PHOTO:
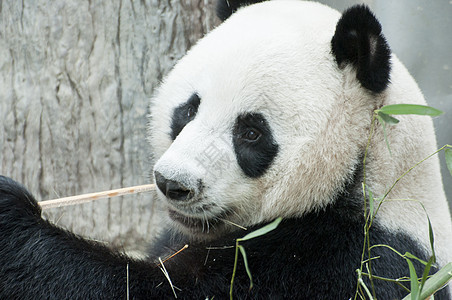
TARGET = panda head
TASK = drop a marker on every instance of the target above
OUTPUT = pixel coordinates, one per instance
(267, 115)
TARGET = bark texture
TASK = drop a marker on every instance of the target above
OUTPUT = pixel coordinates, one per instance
(75, 82)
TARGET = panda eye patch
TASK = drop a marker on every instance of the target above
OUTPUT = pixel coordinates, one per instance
(183, 114)
(254, 145)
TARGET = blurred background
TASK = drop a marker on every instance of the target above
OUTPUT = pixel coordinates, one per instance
(76, 78)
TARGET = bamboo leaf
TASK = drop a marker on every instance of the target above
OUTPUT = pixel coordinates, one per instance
(426, 272)
(430, 233)
(245, 260)
(409, 255)
(448, 154)
(413, 280)
(436, 282)
(410, 109)
(261, 231)
(383, 124)
(432, 239)
(387, 118)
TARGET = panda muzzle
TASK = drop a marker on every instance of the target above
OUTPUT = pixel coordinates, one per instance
(172, 189)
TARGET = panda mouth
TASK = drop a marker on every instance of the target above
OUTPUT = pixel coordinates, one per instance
(196, 223)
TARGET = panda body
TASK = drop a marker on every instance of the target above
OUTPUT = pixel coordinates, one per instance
(267, 116)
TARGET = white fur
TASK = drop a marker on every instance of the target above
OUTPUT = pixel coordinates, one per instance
(275, 58)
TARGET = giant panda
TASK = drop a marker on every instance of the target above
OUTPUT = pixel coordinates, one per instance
(267, 116)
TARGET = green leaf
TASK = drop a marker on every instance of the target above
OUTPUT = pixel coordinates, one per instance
(430, 233)
(426, 272)
(245, 260)
(434, 283)
(383, 124)
(409, 255)
(387, 118)
(261, 231)
(414, 282)
(410, 109)
(431, 237)
(448, 154)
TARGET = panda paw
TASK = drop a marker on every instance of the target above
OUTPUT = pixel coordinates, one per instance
(17, 205)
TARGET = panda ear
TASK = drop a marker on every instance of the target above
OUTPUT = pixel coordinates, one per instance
(225, 8)
(358, 41)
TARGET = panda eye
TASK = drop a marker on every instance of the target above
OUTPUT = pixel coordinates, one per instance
(251, 135)
(183, 114)
(191, 112)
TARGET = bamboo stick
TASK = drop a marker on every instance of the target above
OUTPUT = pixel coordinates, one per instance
(72, 200)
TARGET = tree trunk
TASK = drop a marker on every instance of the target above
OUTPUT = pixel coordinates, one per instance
(75, 81)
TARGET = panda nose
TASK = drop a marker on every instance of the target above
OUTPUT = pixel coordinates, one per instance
(172, 189)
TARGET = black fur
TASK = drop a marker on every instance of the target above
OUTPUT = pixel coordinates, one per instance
(253, 156)
(225, 8)
(314, 257)
(183, 114)
(358, 40)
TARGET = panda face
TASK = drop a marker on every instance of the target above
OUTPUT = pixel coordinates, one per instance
(242, 128)
(215, 164)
